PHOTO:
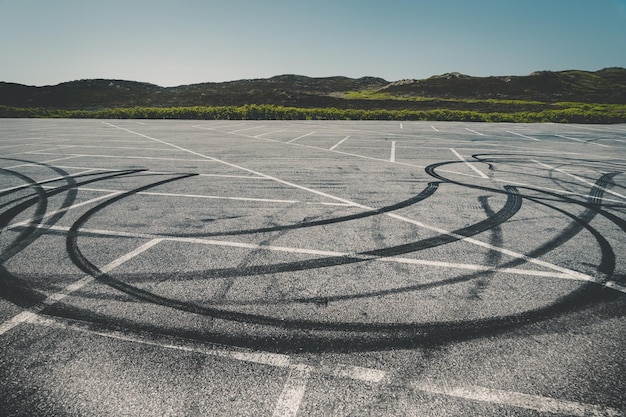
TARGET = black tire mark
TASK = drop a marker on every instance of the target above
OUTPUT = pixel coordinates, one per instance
(511, 207)
(430, 189)
(72, 235)
(590, 301)
(362, 336)
(12, 288)
(593, 207)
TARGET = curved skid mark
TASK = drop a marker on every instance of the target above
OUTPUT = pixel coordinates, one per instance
(360, 335)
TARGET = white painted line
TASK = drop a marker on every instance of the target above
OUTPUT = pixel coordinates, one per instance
(615, 286)
(261, 358)
(579, 179)
(18, 187)
(339, 143)
(299, 137)
(56, 297)
(516, 399)
(583, 141)
(151, 172)
(572, 273)
(25, 144)
(434, 128)
(258, 357)
(229, 124)
(293, 391)
(392, 157)
(130, 255)
(317, 252)
(473, 131)
(16, 320)
(458, 155)
(301, 187)
(524, 136)
(389, 214)
(57, 148)
(63, 210)
(128, 148)
(213, 197)
(269, 133)
(523, 184)
(234, 131)
(358, 373)
(87, 155)
(401, 127)
(51, 160)
(290, 398)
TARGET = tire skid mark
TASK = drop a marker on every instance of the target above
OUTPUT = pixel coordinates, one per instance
(358, 335)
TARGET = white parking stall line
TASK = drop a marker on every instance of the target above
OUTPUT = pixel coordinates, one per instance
(146, 158)
(388, 214)
(56, 148)
(300, 137)
(434, 128)
(154, 172)
(583, 141)
(392, 157)
(238, 130)
(523, 136)
(269, 133)
(606, 190)
(25, 144)
(210, 197)
(516, 399)
(53, 179)
(473, 131)
(63, 210)
(75, 286)
(561, 274)
(295, 386)
(290, 398)
(478, 171)
(338, 143)
(28, 164)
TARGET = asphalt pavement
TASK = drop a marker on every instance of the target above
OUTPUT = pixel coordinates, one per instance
(311, 268)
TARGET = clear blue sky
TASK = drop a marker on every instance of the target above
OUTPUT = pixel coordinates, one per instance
(190, 41)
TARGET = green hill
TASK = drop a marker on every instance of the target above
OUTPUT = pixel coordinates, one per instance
(598, 96)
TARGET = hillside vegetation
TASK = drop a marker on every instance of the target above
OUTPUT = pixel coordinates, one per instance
(566, 96)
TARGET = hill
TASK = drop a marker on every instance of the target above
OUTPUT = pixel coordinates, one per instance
(451, 90)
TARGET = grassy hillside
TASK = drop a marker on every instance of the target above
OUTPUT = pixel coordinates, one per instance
(592, 97)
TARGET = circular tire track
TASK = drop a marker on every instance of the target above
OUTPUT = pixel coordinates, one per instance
(321, 335)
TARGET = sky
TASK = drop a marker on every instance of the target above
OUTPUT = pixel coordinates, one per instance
(177, 42)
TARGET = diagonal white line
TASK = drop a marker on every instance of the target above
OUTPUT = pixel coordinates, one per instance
(517, 399)
(317, 252)
(290, 398)
(300, 137)
(458, 155)
(52, 213)
(579, 179)
(269, 133)
(58, 296)
(339, 143)
(511, 253)
(234, 131)
(583, 141)
(473, 131)
(524, 136)
(295, 386)
(18, 187)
